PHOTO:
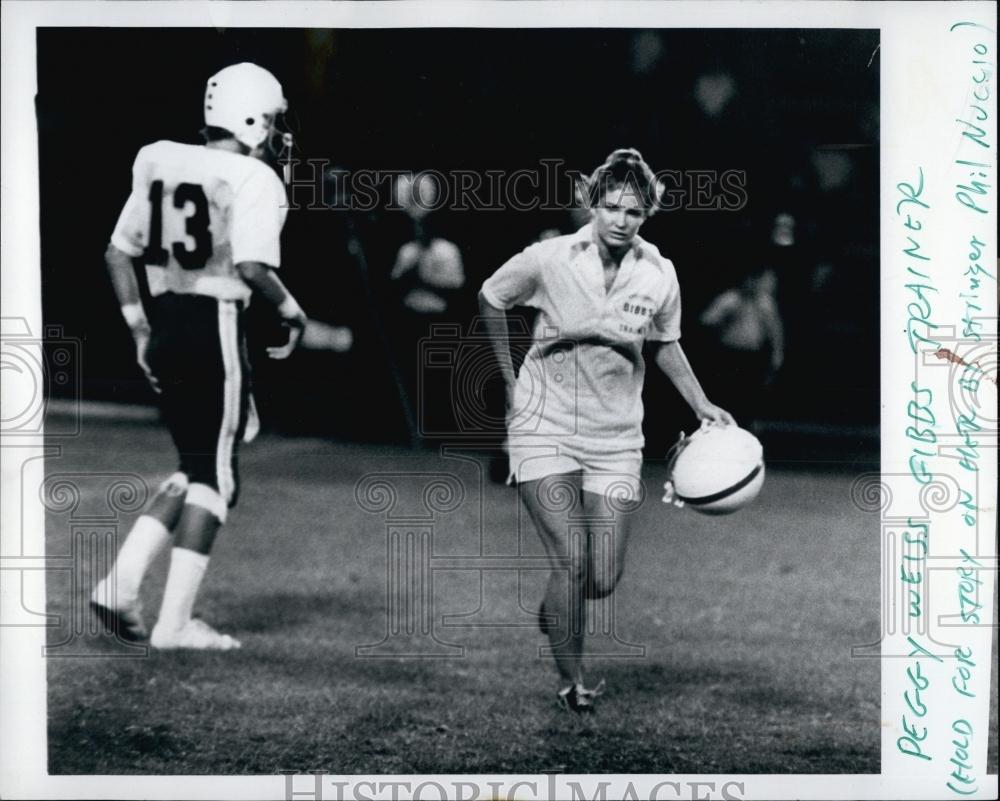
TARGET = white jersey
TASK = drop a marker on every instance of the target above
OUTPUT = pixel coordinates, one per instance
(196, 212)
(582, 377)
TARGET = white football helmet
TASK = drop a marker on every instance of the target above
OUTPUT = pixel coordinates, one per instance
(244, 99)
(715, 471)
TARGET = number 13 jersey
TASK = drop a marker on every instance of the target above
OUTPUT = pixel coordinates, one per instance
(196, 212)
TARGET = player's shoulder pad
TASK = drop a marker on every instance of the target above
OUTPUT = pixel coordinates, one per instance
(260, 178)
(159, 149)
(153, 152)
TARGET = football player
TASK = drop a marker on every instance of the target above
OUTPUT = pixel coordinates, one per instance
(205, 221)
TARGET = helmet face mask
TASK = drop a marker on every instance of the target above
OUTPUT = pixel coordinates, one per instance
(277, 147)
(280, 140)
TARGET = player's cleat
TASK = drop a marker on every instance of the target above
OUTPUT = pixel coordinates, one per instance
(577, 698)
(194, 635)
(126, 623)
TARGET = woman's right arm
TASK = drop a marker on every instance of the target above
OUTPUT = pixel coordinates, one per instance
(515, 283)
(496, 327)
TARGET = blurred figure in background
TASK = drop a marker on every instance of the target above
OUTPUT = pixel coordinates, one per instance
(426, 277)
(748, 344)
(427, 270)
(702, 149)
(714, 90)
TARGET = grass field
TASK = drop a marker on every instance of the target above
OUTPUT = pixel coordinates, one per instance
(746, 622)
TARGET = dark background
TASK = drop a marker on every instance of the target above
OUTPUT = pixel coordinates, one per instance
(802, 124)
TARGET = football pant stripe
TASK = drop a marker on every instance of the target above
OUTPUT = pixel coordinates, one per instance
(207, 498)
(229, 342)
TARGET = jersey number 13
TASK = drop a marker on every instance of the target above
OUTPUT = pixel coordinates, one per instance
(195, 226)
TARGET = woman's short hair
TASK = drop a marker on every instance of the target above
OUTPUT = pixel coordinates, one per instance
(625, 169)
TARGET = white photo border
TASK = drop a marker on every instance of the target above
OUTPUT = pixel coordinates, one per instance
(928, 86)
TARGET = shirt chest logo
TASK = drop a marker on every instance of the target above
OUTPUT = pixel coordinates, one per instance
(637, 307)
(636, 313)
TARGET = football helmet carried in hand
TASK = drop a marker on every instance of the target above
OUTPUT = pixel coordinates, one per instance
(716, 471)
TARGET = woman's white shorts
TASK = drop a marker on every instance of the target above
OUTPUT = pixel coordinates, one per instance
(614, 474)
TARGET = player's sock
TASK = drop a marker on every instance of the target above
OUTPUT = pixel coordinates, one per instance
(142, 545)
(187, 568)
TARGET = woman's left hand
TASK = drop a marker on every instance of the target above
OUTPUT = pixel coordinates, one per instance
(712, 414)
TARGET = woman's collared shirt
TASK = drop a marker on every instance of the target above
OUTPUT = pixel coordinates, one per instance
(583, 374)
